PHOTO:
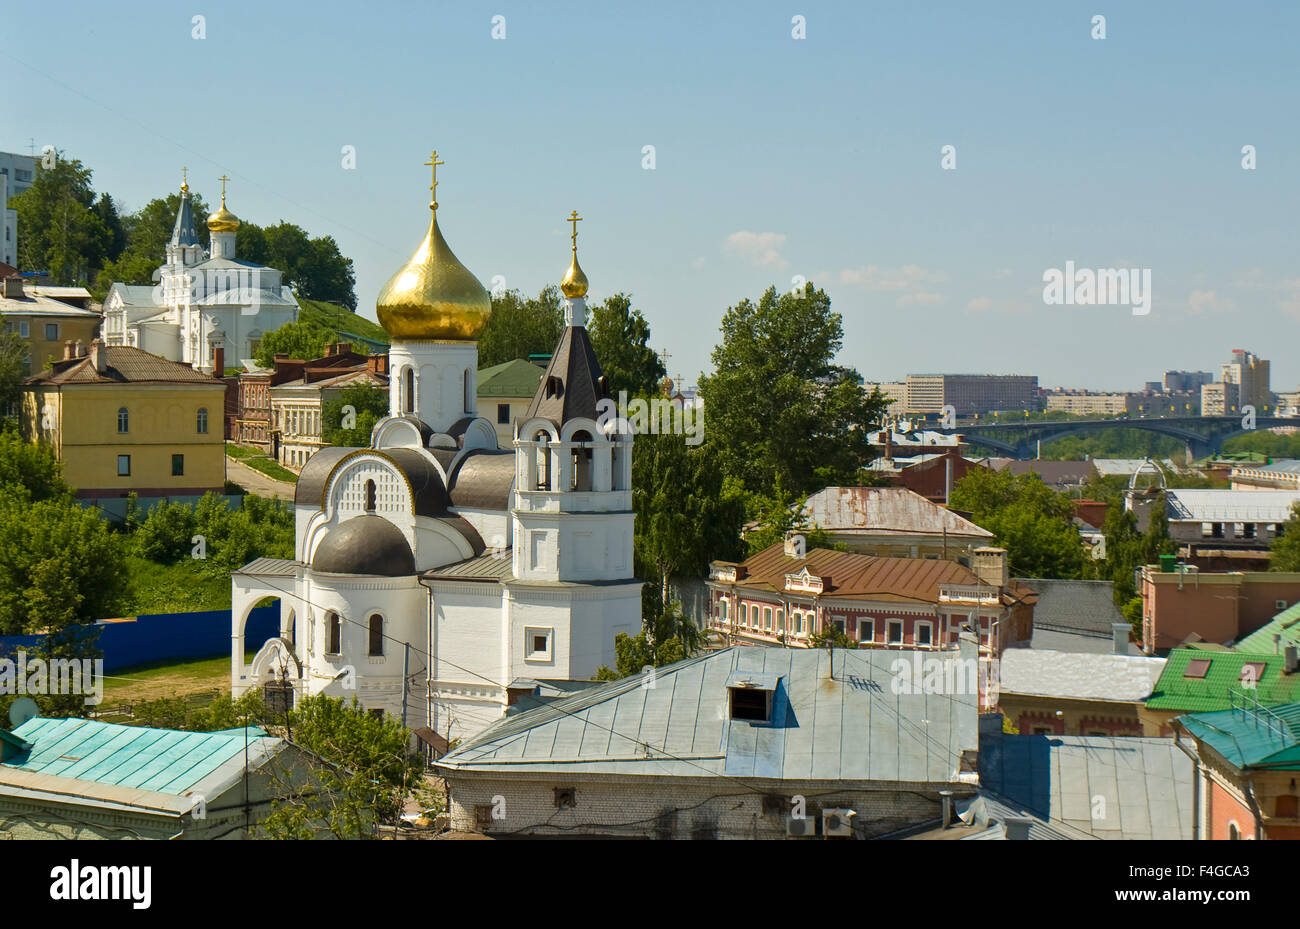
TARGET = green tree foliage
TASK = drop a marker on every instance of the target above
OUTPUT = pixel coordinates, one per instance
(369, 404)
(14, 352)
(28, 471)
(671, 636)
(224, 712)
(1264, 442)
(686, 516)
(1029, 519)
(777, 514)
(779, 409)
(59, 229)
(831, 636)
(519, 326)
(259, 528)
(301, 340)
(368, 777)
(620, 337)
(1113, 443)
(166, 533)
(144, 236)
(1286, 547)
(313, 267)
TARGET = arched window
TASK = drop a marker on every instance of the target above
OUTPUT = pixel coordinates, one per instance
(408, 391)
(123, 419)
(1234, 833)
(581, 478)
(376, 635)
(333, 634)
(370, 497)
(203, 420)
(470, 406)
(543, 438)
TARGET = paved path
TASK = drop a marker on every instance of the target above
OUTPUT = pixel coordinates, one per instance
(256, 482)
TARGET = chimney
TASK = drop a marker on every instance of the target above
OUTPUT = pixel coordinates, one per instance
(1017, 827)
(1292, 660)
(1277, 643)
(67, 350)
(946, 798)
(990, 566)
(79, 349)
(796, 545)
(889, 441)
(219, 361)
(377, 364)
(1119, 633)
(14, 288)
(97, 356)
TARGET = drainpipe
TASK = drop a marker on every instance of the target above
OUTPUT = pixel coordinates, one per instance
(1196, 782)
(1254, 807)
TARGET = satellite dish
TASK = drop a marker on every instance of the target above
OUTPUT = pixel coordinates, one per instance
(21, 710)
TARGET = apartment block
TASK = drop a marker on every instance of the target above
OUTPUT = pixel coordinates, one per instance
(971, 393)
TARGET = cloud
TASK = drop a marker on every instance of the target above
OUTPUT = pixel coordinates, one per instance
(979, 304)
(920, 298)
(761, 249)
(876, 278)
(1208, 301)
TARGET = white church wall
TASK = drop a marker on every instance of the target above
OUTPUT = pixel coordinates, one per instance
(493, 526)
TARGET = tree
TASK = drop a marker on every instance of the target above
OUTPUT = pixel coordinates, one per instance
(14, 352)
(313, 267)
(59, 565)
(519, 327)
(667, 638)
(297, 340)
(1033, 522)
(685, 516)
(369, 405)
(780, 410)
(367, 778)
(58, 227)
(620, 337)
(831, 636)
(777, 515)
(1286, 546)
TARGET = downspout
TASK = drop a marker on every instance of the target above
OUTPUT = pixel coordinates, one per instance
(1196, 782)
(428, 663)
(1254, 807)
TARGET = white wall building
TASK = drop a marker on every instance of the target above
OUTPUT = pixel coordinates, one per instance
(202, 300)
(16, 174)
(434, 568)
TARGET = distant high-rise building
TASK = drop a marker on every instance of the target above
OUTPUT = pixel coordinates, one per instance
(16, 174)
(1220, 398)
(1187, 380)
(971, 393)
(1250, 373)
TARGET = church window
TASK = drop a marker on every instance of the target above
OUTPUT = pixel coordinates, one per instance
(469, 391)
(376, 635)
(581, 477)
(537, 644)
(408, 391)
(370, 496)
(543, 460)
(203, 420)
(333, 634)
(123, 420)
(503, 414)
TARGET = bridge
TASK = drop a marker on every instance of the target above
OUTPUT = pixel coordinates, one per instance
(1203, 435)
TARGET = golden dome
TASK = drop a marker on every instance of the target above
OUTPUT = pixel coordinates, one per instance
(223, 220)
(575, 282)
(433, 296)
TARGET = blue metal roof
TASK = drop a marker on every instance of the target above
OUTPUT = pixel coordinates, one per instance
(850, 727)
(184, 232)
(160, 760)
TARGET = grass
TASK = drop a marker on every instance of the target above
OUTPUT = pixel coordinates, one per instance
(258, 460)
(168, 679)
(178, 588)
(330, 316)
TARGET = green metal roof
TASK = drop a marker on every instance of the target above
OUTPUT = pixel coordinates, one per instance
(517, 378)
(161, 760)
(1175, 691)
(1250, 735)
(1286, 623)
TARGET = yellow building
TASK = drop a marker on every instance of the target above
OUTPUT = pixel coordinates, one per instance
(44, 322)
(122, 420)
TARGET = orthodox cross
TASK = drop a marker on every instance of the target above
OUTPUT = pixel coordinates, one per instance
(574, 219)
(223, 180)
(433, 163)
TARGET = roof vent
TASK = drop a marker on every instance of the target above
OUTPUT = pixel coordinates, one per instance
(14, 288)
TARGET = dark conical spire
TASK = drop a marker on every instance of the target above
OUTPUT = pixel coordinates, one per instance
(185, 232)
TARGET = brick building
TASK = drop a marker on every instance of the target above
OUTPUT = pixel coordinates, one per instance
(1186, 604)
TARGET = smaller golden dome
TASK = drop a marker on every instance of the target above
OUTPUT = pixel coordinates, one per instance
(575, 282)
(223, 220)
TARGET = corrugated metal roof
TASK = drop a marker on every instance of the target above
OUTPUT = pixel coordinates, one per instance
(156, 760)
(271, 567)
(1202, 505)
(851, 728)
(490, 566)
(1285, 624)
(1078, 676)
(1111, 788)
(886, 510)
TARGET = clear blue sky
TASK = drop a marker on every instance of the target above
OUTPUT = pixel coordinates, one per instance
(775, 157)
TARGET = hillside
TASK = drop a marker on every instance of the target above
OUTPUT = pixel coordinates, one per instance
(342, 320)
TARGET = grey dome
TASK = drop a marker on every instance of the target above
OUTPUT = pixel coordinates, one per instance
(365, 545)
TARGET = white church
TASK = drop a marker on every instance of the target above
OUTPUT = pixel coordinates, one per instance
(203, 300)
(434, 569)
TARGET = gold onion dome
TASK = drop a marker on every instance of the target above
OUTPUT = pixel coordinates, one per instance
(433, 297)
(223, 220)
(575, 282)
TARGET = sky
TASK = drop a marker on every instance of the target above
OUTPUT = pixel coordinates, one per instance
(776, 159)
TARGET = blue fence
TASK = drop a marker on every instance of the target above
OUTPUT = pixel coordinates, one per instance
(166, 636)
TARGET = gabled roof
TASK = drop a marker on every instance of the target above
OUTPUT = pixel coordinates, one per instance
(853, 727)
(123, 364)
(1250, 735)
(573, 382)
(38, 304)
(517, 378)
(134, 294)
(1285, 624)
(1080, 607)
(1213, 689)
(868, 511)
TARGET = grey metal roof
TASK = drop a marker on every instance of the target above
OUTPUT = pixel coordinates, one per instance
(365, 544)
(1078, 676)
(1200, 505)
(1111, 788)
(185, 232)
(886, 511)
(851, 728)
(578, 379)
(425, 480)
(1074, 606)
(493, 566)
(271, 567)
(484, 480)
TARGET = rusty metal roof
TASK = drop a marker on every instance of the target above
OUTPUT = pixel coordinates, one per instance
(123, 364)
(850, 575)
(886, 510)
